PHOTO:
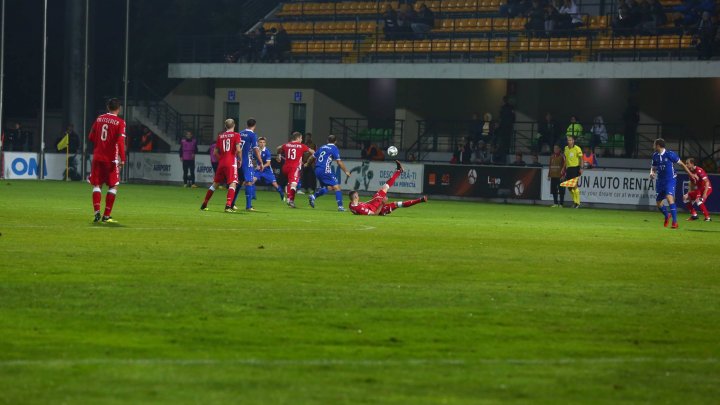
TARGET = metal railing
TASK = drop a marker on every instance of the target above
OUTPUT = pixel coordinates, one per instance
(354, 132)
(446, 135)
(201, 126)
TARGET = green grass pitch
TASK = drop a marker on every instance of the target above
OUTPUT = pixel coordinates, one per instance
(441, 303)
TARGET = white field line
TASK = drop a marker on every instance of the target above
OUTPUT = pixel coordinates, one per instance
(361, 228)
(352, 363)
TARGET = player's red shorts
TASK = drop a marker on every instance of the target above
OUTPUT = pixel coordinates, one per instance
(695, 194)
(226, 175)
(104, 173)
(292, 173)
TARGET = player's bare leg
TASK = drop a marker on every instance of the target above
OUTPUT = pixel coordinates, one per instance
(109, 202)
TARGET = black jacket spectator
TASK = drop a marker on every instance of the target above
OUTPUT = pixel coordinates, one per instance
(550, 132)
(390, 26)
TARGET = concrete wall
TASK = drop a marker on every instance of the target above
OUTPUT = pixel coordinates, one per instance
(193, 97)
(271, 107)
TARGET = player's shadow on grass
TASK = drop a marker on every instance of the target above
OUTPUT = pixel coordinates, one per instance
(108, 225)
(702, 230)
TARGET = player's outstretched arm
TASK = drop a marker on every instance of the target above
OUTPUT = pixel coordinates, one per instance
(238, 153)
(687, 170)
(343, 167)
(310, 160)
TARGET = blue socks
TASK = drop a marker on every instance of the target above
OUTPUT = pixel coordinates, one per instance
(663, 210)
(673, 212)
(321, 192)
(280, 190)
(249, 192)
(338, 198)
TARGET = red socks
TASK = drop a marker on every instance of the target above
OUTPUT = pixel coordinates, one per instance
(230, 196)
(291, 194)
(96, 196)
(394, 177)
(208, 195)
(109, 201)
(690, 208)
(704, 210)
(410, 203)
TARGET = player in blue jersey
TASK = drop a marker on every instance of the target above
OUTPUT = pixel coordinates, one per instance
(323, 158)
(663, 170)
(246, 171)
(265, 173)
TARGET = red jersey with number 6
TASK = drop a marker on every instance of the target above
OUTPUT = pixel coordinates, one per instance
(293, 154)
(108, 137)
(226, 145)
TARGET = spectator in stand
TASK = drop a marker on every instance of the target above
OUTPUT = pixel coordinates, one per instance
(569, 16)
(599, 133)
(519, 160)
(589, 159)
(687, 14)
(551, 17)
(11, 138)
(535, 161)
(250, 47)
(146, 140)
(282, 44)
(467, 151)
(424, 21)
(482, 155)
(557, 162)
(706, 33)
(575, 129)
(623, 23)
(475, 128)
(535, 19)
(507, 125)
(549, 132)
(514, 8)
(631, 117)
(390, 27)
(188, 149)
(372, 152)
(405, 17)
(269, 51)
(652, 17)
(496, 156)
(488, 129)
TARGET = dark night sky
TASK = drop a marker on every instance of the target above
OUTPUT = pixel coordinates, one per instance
(155, 26)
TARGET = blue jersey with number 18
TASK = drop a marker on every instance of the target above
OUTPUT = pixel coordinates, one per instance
(325, 156)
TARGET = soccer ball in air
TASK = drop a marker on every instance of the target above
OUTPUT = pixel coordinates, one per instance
(392, 151)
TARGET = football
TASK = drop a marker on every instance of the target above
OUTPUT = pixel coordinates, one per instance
(392, 151)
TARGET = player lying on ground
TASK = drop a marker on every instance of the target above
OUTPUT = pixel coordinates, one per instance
(379, 204)
(323, 172)
(108, 137)
(698, 195)
(228, 149)
(663, 169)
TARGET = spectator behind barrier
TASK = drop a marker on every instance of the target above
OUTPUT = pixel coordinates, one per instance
(424, 21)
(599, 133)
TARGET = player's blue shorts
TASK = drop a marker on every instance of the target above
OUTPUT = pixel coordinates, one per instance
(664, 189)
(265, 176)
(326, 179)
(247, 174)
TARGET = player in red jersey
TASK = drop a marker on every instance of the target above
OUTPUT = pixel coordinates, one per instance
(228, 149)
(378, 205)
(698, 195)
(108, 137)
(292, 152)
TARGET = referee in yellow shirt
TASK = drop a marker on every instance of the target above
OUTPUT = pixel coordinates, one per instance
(573, 167)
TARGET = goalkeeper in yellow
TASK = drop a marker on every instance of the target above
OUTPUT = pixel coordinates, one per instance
(572, 170)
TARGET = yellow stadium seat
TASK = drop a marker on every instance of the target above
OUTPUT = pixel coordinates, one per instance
(461, 46)
(441, 45)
